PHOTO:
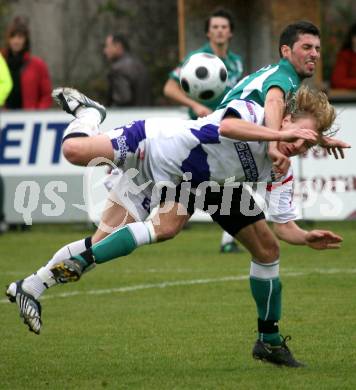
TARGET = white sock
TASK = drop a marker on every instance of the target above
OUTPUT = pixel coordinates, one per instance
(38, 282)
(143, 232)
(264, 271)
(86, 122)
(34, 285)
(226, 238)
(69, 250)
(88, 114)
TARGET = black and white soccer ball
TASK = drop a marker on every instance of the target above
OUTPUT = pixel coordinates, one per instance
(203, 77)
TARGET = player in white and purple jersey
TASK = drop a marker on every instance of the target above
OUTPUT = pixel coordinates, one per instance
(176, 149)
(165, 151)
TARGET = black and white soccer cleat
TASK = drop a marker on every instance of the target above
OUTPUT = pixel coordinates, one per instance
(29, 307)
(70, 100)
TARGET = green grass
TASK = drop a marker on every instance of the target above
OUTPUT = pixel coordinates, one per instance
(188, 336)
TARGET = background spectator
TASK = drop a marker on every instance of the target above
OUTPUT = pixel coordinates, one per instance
(344, 72)
(219, 27)
(128, 78)
(5, 81)
(5, 88)
(31, 82)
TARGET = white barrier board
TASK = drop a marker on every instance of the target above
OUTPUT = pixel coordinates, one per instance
(41, 186)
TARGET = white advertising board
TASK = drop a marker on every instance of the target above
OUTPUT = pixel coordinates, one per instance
(325, 188)
(41, 186)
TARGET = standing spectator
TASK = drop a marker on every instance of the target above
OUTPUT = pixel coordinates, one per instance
(344, 72)
(5, 88)
(31, 82)
(128, 77)
(218, 29)
(5, 81)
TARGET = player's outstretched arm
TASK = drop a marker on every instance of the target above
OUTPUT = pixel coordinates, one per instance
(234, 128)
(316, 239)
(82, 150)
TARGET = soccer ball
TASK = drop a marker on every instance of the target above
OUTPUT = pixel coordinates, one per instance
(203, 77)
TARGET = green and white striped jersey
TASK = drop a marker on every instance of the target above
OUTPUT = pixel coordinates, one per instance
(234, 67)
(255, 86)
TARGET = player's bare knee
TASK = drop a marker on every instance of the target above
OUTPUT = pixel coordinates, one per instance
(73, 151)
(271, 252)
(274, 251)
(166, 232)
(266, 252)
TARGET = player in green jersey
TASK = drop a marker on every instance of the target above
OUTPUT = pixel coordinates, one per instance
(299, 49)
(219, 29)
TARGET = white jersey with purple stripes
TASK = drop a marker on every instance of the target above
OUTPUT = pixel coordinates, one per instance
(162, 151)
(165, 149)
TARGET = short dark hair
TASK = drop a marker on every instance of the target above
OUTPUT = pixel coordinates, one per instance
(347, 44)
(119, 38)
(222, 13)
(291, 33)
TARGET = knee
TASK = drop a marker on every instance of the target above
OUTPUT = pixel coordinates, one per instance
(271, 252)
(72, 151)
(166, 232)
(268, 253)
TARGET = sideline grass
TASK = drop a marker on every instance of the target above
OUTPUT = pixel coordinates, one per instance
(188, 336)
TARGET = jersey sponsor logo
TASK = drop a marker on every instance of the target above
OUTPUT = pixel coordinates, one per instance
(119, 144)
(247, 161)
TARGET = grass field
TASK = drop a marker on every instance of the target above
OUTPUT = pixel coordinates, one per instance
(178, 316)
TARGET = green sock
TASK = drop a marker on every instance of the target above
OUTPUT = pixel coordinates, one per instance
(119, 243)
(266, 290)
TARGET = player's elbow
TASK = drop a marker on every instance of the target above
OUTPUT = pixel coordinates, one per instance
(73, 151)
(225, 128)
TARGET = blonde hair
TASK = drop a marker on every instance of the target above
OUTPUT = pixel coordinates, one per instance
(312, 103)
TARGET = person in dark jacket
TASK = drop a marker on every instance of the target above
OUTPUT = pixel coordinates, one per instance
(128, 77)
(31, 81)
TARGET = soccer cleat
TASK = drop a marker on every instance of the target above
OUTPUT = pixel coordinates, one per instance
(70, 100)
(231, 247)
(68, 270)
(279, 355)
(30, 308)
